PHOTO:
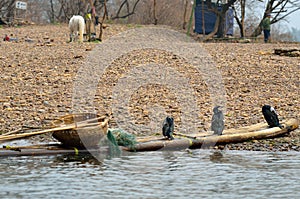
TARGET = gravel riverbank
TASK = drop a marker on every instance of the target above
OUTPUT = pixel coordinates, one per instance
(38, 73)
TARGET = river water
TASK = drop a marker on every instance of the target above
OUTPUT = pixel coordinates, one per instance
(161, 174)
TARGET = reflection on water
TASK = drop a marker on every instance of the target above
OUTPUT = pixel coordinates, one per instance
(164, 174)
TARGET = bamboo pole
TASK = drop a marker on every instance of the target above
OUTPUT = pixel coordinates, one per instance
(37, 146)
(36, 152)
(22, 129)
(12, 132)
(184, 135)
(51, 149)
(246, 129)
(149, 138)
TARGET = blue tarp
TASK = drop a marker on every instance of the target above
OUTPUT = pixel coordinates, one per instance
(210, 19)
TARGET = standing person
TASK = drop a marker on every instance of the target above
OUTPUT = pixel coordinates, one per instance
(266, 27)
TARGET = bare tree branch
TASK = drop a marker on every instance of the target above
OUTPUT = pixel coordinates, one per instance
(128, 12)
(280, 10)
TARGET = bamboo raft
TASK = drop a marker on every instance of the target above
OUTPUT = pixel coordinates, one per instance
(205, 140)
(154, 143)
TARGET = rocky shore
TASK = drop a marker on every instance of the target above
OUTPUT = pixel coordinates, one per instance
(38, 73)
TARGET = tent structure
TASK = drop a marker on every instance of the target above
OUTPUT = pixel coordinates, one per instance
(203, 14)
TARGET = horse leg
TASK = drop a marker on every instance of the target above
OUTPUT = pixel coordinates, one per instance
(71, 37)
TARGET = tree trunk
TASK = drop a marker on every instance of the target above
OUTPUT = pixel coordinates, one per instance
(10, 11)
(216, 27)
(241, 21)
(154, 12)
(257, 31)
(184, 15)
(243, 12)
(102, 20)
(52, 14)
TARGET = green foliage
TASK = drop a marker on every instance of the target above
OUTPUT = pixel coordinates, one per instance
(109, 21)
(96, 41)
(130, 25)
(56, 23)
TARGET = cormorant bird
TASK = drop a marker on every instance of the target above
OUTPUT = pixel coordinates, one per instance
(270, 116)
(168, 127)
(217, 122)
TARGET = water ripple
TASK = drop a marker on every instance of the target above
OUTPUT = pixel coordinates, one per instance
(195, 174)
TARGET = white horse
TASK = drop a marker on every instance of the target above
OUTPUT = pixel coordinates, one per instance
(76, 25)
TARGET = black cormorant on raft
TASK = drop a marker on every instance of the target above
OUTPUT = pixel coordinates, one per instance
(168, 127)
(217, 122)
(271, 116)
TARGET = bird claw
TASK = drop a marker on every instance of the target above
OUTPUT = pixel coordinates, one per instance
(171, 138)
(168, 138)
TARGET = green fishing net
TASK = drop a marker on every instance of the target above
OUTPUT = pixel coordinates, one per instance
(112, 144)
(123, 138)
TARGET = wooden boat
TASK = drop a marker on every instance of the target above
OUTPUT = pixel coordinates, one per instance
(73, 130)
(192, 141)
(89, 135)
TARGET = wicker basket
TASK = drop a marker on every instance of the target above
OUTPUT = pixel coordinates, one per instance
(89, 132)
